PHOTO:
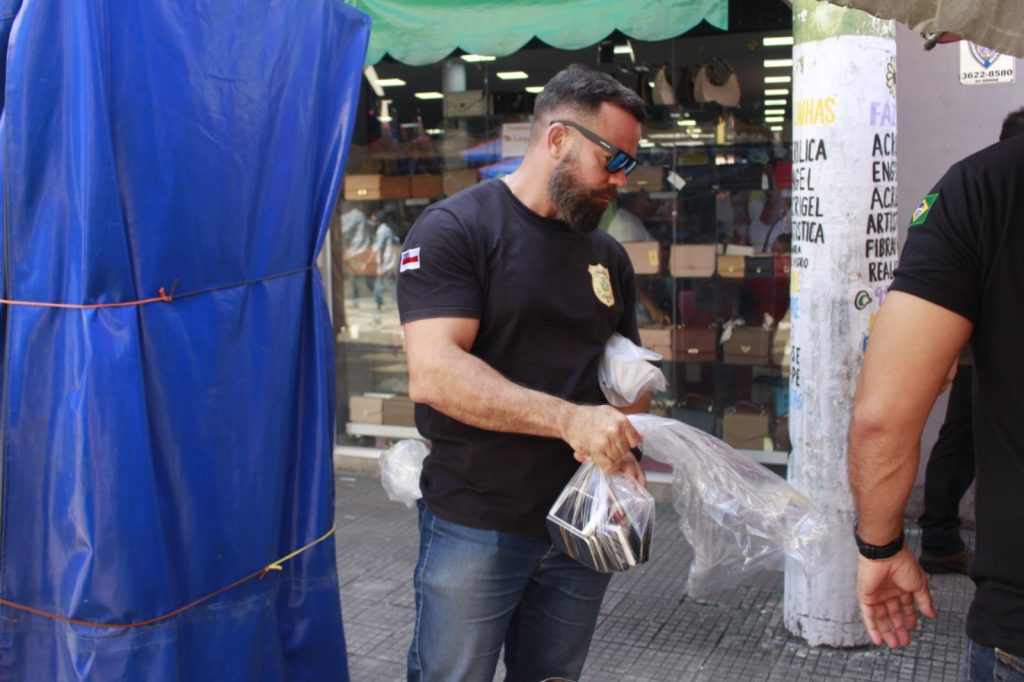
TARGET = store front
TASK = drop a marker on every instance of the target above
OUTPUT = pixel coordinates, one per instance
(706, 217)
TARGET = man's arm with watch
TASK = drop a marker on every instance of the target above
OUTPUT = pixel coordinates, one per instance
(909, 353)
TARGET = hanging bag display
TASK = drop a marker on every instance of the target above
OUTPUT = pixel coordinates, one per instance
(717, 82)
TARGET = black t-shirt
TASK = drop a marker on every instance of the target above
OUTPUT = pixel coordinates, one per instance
(965, 252)
(536, 287)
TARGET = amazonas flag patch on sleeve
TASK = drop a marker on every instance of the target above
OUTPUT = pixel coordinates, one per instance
(410, 260)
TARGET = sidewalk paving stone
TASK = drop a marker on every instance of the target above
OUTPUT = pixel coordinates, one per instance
(649, 629)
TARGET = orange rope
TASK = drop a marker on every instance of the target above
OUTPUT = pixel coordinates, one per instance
(162, 297)
(262, 573)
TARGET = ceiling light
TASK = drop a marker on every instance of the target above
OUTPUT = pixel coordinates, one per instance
(646, 144)
(777, 79)
(512, 75)
(777, 41)
(774, 119)
(686, 122)
(390, 82)
(775, 92)
(624, 48)
(371, 78)
(774, 112)
(777, 129)
(778, 63)
(478, 58)
(534, 89)
(429, 95)
(775, 102)
(434, 131)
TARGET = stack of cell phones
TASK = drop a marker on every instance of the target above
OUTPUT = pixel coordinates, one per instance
(591, 525)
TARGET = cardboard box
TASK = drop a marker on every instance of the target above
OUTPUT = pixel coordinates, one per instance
(375, 186)
(454, 180)
(425, 186)
(399, 411)
(644, 177)
(366, 409)
(645, 256)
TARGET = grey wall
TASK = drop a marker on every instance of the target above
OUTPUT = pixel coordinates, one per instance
(940, 122)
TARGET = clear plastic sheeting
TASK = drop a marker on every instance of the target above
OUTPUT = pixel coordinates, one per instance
(738, 516)
(625, 371)
(603, 520)
(400, 468)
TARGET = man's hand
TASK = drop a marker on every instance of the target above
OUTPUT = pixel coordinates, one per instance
(602, 434)
(888, 590)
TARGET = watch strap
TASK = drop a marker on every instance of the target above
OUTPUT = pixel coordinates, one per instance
(869, 551)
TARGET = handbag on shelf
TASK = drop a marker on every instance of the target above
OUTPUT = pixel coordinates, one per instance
(731, 266)
(759, 267)
(694, 344)
(663, 93)
(747, 426)
(747, 346)
(782, 265)
(696, 410)
(692, 260)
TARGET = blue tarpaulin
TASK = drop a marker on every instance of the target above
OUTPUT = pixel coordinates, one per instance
(155, 453)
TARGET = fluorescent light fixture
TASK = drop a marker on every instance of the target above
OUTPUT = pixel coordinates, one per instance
(774, 112)
(778, 63)
(385, 119)
(512, 75)
(646, 144)
(434, 131)
(775, 102)
(535, 89)
(390, 82)
(686, 122)
(429, 95)
(371, 78)
(777, 79)
(478, 58)
(776, 129)
(774, 119)
(777, 41)
(624, 48)
(775, 92)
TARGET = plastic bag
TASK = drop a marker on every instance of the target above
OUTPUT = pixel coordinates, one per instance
(626, 371)
(400, 470)
(603, 520)
(738, 516)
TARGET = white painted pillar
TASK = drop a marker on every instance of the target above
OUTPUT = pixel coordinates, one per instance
(844, 251)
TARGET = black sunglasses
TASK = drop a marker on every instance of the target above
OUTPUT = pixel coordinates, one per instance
(620, 161)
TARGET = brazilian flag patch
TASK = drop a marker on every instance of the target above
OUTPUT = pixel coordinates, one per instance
(921, 212)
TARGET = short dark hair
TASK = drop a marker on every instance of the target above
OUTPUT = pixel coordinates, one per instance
(1013, 125)
(584, 89)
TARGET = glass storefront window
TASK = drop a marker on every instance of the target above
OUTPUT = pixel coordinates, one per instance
(705, 218)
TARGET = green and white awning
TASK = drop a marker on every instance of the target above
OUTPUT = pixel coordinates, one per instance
(425, 31)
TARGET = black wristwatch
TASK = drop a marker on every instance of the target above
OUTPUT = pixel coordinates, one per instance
(869, 551)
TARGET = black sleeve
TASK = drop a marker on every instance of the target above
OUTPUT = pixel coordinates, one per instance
(941, 260)
(628, 325)
(439, 274)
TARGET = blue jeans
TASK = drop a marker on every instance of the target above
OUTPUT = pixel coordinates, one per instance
(985, 663)
(477, 590)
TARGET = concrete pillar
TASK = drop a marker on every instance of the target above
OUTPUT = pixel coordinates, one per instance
(844, 252)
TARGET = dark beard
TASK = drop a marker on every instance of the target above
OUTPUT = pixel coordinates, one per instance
(575, 206)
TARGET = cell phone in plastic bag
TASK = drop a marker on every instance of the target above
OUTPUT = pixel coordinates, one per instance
(604, 521)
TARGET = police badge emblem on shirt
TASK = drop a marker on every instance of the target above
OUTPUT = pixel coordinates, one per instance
(602, 283)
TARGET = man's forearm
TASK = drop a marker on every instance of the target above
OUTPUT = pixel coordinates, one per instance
(466, 388)
(882, 467)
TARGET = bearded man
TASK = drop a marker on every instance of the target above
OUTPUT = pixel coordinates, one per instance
(507, 296)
